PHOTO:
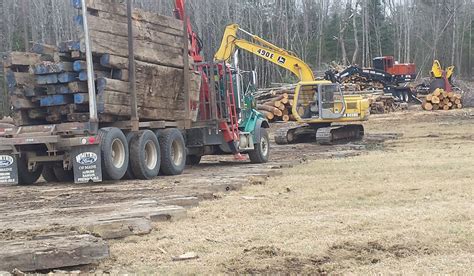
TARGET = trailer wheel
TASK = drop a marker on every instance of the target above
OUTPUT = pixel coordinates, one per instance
(115, 153)
(173, 151)
(261, 152)
(63, 175)
(193, 160)
(129, 174)
(145, 155)
(25, 177)
(48, 174)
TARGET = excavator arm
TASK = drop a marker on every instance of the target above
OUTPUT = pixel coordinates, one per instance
(263, 49)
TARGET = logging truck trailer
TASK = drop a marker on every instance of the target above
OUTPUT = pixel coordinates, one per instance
(216, 119)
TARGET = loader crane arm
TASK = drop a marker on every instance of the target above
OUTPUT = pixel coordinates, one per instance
(263, 49)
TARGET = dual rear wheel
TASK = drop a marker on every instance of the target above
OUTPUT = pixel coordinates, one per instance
(151, 153)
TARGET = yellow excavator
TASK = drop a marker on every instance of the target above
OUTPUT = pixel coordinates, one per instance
(321, 109)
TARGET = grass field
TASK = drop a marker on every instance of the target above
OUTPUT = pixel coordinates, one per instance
(405, 207)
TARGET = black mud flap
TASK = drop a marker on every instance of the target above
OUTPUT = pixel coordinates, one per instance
(86, 164)
(8, 169)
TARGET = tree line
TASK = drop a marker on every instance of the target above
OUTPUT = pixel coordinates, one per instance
(321, 32)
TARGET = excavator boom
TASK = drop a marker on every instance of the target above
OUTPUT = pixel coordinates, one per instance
(265, 50)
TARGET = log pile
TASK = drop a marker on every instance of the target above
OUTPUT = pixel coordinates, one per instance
(276, 103)
(49, 84)
(359, 83)
(382, 104)
(442, 100)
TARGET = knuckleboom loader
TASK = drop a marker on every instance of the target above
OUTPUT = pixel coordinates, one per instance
(318, 104)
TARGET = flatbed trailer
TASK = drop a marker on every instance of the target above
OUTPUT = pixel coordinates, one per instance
(94, 151)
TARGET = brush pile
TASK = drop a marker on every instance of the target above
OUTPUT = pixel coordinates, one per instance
(442, 100)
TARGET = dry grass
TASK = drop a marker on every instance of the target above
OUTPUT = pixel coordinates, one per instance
(405, 209)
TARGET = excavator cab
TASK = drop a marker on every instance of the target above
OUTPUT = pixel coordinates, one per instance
(320, 101)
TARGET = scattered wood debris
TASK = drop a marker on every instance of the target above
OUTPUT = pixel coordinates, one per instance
(186, 256)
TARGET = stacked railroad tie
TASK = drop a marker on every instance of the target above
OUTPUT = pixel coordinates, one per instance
(276, 103)
(49, 83)
(442, 100)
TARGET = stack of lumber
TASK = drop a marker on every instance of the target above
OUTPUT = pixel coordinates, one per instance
(49, 84)
(381, 104)
(442, 100)
(276, 103)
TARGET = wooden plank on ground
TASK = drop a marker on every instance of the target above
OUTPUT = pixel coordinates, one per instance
(52, 252)
(118, 228)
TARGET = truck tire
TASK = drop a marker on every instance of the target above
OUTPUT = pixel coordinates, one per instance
(63, 175)
(173, 151)
(145, 155)
(25, 177)
(193, 160)
(48, 174)
(261, 152)
(114, 152)
(129, 173)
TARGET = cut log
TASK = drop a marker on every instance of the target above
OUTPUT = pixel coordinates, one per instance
(268, 115)
(285, 118)
(437, 92)
(429, 97)
(435, 106)
(271, 109)
(435, 99)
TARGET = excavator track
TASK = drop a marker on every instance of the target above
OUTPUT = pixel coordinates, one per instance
(285, 135)
(329, 135)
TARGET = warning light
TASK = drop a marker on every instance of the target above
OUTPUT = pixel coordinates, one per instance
(92, 140)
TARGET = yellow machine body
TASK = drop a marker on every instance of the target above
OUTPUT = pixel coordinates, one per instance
(343, 109)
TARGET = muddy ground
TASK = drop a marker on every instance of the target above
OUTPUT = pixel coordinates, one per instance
(399, 201)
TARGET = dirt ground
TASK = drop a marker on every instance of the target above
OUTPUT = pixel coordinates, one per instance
(402, 207)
